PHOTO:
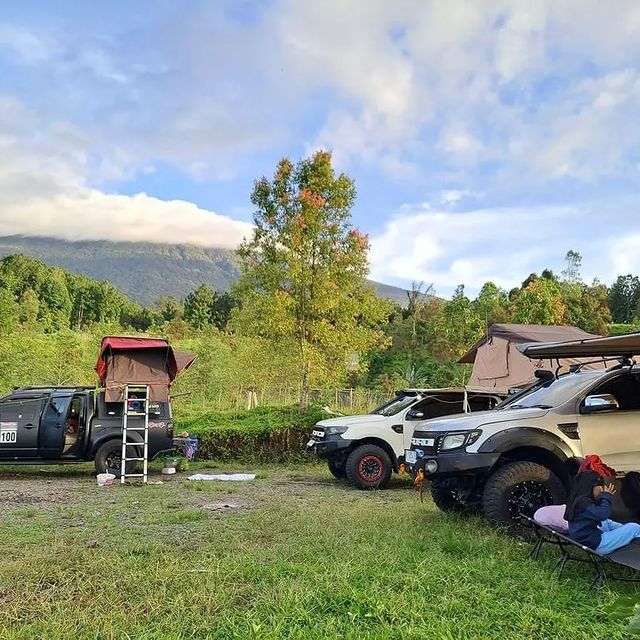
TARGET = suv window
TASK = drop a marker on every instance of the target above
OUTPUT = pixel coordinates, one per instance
(554, 392)
(20, 408)
(625, 389)
(395, 406)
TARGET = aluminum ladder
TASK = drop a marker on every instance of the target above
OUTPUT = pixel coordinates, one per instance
(136, 404)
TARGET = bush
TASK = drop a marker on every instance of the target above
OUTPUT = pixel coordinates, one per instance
(265, 434)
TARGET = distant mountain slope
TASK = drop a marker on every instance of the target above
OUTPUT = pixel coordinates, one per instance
(144, 270)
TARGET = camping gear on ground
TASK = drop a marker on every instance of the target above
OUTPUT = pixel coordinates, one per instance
(499, 365)
(191, 447)
(225, 477)
(105, 479)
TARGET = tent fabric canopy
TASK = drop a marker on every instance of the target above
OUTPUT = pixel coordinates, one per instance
(519, 333)
(499, 366)
(142, 361)
(626, 345)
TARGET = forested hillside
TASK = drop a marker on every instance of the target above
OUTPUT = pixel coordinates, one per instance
(145, 271)
(51, 322)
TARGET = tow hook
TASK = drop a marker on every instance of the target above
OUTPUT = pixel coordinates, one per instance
(419, 482)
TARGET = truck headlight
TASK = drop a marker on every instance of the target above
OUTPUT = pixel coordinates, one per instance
(334, 431)
(456, 440)
(453, 441)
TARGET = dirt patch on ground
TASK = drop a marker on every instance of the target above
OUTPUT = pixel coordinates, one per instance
(33, 491)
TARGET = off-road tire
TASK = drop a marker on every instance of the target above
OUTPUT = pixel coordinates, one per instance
(445, 499)
(110, 451)
(369, 467)
(337, 468)
(501, 490)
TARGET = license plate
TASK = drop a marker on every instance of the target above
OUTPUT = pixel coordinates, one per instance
(410, 456)
(8, 435)
(423, 442)
(311, 443)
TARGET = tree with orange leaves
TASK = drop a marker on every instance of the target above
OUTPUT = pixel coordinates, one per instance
(304, 270)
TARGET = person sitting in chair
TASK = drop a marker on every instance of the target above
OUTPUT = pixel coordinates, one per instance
(587, 513)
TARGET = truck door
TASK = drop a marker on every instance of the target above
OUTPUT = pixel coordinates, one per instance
(19, 425)
(614, 434)
(52, 427)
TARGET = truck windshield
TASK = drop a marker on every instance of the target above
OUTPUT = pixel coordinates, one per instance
(396, 405)
(553, 393)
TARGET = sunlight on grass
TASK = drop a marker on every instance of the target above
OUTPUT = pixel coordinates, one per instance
(298, 556)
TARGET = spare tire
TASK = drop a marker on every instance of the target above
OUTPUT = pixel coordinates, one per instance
(520, 488)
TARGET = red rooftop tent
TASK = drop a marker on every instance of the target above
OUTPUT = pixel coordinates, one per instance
(139, 361)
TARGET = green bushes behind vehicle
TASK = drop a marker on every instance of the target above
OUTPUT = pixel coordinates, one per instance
(265, 434)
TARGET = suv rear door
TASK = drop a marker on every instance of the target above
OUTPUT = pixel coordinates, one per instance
(19, 425)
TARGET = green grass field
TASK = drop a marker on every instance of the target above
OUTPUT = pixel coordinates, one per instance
(296, 555)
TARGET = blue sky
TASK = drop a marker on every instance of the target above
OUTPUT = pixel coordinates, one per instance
(486, 138)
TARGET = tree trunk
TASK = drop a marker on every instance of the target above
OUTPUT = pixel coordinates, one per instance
(304, 392)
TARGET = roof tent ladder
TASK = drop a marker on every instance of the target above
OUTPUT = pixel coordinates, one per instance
(136, 404)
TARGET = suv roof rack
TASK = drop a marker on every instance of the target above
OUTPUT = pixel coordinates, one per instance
(54, 386)
(623, 361)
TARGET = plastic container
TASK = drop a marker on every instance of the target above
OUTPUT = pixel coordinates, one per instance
(105, 479)
(167, 471)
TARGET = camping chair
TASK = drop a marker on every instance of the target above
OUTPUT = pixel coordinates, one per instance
(628, 556)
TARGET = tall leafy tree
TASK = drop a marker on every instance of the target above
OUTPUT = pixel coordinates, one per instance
(198, 307)
(304, 269)
(624, 298)
(540, 302)
(573, 263)
(9, 311)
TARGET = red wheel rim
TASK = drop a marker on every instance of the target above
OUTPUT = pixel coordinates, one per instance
(370, 468)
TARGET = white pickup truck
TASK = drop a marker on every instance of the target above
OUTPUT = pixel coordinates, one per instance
(367, 449)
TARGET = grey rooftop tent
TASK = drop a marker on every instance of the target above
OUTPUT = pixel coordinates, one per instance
(499, 365)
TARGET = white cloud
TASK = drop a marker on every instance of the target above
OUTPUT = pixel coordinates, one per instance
(488, 80)
(91, 215)
(502, 245)
(43, 192)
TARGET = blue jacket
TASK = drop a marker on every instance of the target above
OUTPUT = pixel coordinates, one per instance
(585, 528)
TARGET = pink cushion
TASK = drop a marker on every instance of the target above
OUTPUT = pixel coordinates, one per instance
(552, 516)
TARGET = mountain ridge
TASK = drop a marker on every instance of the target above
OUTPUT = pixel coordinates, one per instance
(145, 270)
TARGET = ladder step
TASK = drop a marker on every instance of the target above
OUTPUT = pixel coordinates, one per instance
(136, 413)
(133, 475)
(136, 428)
(130, 459)
(133, 444)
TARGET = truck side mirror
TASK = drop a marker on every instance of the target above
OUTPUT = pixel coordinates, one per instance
(414, 414)
(600, 402)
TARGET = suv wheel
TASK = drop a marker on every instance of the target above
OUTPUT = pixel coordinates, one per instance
(337, 468)
(108, 458)
(369, 467)
(520, 488)
(447, 500)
